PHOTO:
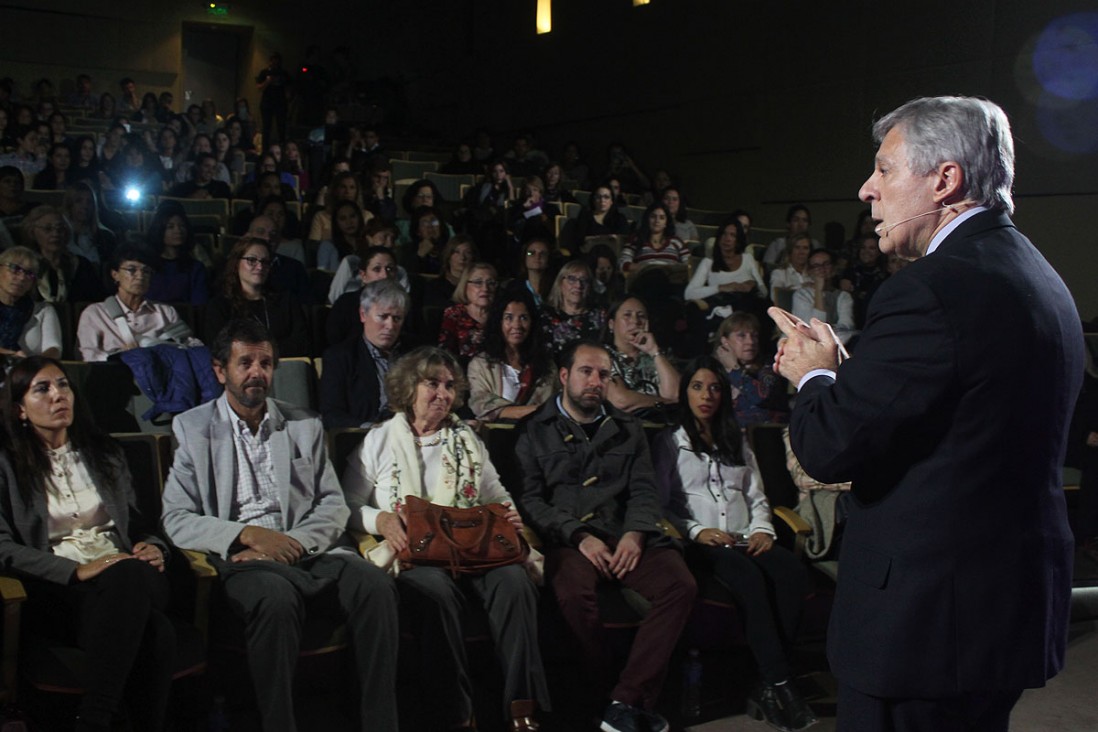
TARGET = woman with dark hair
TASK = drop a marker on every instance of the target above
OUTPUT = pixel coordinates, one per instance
(484, 208)
(533, 268)
(642, 377)
(65, 277)
(202, 143)
(427, 451)
(167, 149)
(223, 151)
(245, 294)
(346, 234)
(89, 238)
(106, 108)
(110, 145)
(55, 176)
(462, 329)
(429, 235)
(654, 241)
(609, 285)
(420, 193)
(293, 164)
(71, 530)
(149, 108)
(86, 164)
(344, 187)
(712, 492)
(601, 217)
(179, 276)
(570, 312)
(512, 376)
(684, 227)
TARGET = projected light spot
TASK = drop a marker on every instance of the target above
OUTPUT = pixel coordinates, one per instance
(1065, 59)
(1074, 128)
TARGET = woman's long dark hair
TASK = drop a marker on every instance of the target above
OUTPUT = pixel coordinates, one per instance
(741, 243)
(531, 352)
(230, 278)
(159, 226)
(28, 452)
(644, 231)
(727, 436)
(343, 245)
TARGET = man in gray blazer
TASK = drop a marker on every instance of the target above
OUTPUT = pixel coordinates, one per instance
(252, 486)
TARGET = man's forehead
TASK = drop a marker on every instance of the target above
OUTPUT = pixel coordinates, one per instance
(588, 356)
(251, 350)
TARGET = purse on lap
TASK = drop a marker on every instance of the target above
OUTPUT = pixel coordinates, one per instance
(462, 540)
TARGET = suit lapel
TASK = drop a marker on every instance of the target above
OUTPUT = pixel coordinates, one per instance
(223, 449)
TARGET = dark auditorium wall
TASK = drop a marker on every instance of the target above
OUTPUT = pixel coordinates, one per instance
(752, 103)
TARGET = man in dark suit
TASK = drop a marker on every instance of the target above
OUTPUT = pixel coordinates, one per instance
(951, 422)
(352, 385)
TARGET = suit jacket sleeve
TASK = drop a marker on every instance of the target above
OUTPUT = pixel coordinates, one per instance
(17, 524)
(867, 420)
(337, 393)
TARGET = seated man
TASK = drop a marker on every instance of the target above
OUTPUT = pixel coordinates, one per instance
(352, 385)
(204, 182)
(252, 486)
(590, 493)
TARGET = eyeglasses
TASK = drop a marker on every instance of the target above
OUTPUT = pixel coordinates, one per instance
(536, 253)
(490, 284)
(52, 228)
(818, 265)
(134, 270)
(430, 222)
(574, 280)
(17, 271)
(257, 262)
(602, 195)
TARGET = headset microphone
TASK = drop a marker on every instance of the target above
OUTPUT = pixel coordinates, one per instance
(883, 230)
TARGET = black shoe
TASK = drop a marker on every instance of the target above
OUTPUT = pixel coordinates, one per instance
(620, 717)
(764, 704)
(797, 712)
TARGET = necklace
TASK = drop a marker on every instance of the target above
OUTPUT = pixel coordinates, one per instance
(420, 443)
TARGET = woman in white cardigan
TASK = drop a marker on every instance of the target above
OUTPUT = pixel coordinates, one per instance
(713, 494)
(426, 451)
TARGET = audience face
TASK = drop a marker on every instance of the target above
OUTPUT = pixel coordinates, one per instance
(819, 267)
(268, 164)
(745, 222)
(11, 187)
(430, 228)
(382, 238)
(268, 185)
(87, 152)
(349, 222)
(552, 176)
(672, 200)
(276, 214)
(380, 267)
(275, 151)
(537, 256)
(657, 222)
(604, 270)
(28, 144)
(516, 324)
(222, 142)
(60, 159)
(743, 342)
(57, 126)
(499, 173)
(175, 233)
(464, 153)
(133, 278)
(460, 258)
(248, 374)
(586, 382)
(371, 139)
(51, 235)
(799, 222)
(83, 207)
(205, 171)
(615, 188)
(798, 255)
(293, 153)
(574, 287)
(347, 190)
(262, 227)
(434, 397)
(16, 279)
(630, 319)
(48, 405)
(602, 198)
(381, 324)
(480, 288)
(727, 243)
(425, 196)
(869, 252)
(381, 179)
(254, 267)
(703, 394)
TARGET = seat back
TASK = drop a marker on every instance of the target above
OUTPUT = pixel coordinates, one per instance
(295, 382)
(412, 168)
(769, 448)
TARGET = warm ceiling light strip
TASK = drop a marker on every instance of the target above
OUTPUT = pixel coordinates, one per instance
(545, 16)
(638, 3)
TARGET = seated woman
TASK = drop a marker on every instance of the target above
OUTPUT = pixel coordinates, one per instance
(601, 217)
(554, 186)
(820, 299)
(609, 284)
(106, 107)
(642, 378)
(179, 276)
(346, 278)
(27, 328)
(533, 269)
(109, 146)
(862, 278)
(128, 319)
(570, 312)
(168, 151)
(71, 530)
(654, 241)
(55, 176)
(484, 208)
(457, 255)
(86, 163)
(462, 329)
(89, 238)
(293, 164)
(713, 495)
(684, 228)
(512, 376)
(246, 294)
(530, 216)
(346, 234)
(429, 236)
(760, 394)
(422, 451)
(65, 277)
(344, 187)
(792, 271)
(374, 263)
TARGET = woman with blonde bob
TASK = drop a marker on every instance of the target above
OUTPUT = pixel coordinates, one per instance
(426, 451)
(462, 329)
(569, 312)
(27, 328)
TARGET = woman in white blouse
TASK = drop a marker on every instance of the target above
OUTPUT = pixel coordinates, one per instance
(714, 496)
(71, 530)
(426, 451)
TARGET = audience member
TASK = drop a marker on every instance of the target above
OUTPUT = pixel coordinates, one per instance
(822, 300)
(642, 378)
(864, 275)
(65, 277)
(203, 182)
(601, 218)
(654, 241)
(277, 534)
(570, 313)
(462, 329)
(288, 274)
(89, 238)
(27, 328)
(797, 221)
(348, 233)
(179, 276)
(533, 269)
(683, 227)
(759, 394)
(273, 83)
(55, 176)
(792, 273)
(343, 187)
(429, 236)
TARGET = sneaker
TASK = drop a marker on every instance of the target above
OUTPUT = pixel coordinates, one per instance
(656, 723)
(621, 718)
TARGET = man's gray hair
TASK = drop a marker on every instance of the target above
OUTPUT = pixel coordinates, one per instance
(384, 292)
(974, 133)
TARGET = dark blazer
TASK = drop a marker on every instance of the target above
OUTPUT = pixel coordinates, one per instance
(951, 421)
(605, 486)
(24, 534)
(349, 391)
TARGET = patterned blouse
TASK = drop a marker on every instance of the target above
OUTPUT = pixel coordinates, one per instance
(560, 329)
(460, 333)
(674, 251)
(758, 397)
(637, 374)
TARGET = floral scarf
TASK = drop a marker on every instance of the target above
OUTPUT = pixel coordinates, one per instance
(459, 475)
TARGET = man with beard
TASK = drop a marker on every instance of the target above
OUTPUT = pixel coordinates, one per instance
(251, 485)
(589, 492)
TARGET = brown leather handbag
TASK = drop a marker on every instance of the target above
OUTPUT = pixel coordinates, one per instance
(462, 540)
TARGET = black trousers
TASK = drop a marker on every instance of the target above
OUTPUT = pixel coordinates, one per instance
(974, 712)
(117, 619)
(273, 599)
(768, 590)
(271, 116)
